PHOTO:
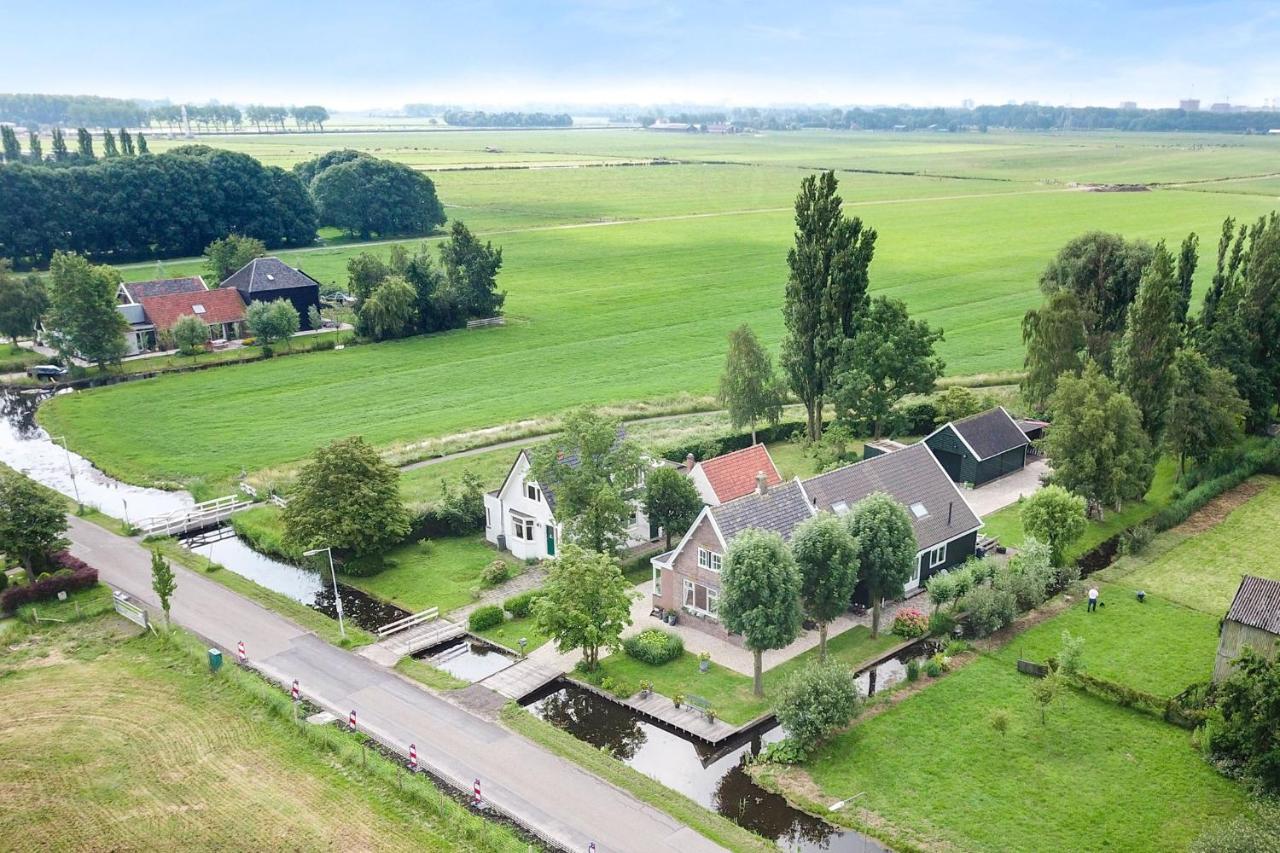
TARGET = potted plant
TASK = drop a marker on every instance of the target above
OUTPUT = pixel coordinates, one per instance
(677, 699)
(704, 661)
(711, 715)
(645, 689)
(671, 617)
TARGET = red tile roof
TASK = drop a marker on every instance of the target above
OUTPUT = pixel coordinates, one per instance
(734, 474)
(219, 306)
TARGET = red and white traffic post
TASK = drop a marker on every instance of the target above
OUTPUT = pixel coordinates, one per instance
(475, 795)
(351, 721)
(295, 694)
(413, 757)
(240, 652)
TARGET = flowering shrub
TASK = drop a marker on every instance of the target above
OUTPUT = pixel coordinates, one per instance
(654, 647)
(72, 574)
(910, 623)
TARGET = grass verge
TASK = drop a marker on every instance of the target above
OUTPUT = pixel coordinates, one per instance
(428, 675)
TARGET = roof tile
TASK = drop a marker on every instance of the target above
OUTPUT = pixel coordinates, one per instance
(1257, 604)
(733, 475)
(220, 306)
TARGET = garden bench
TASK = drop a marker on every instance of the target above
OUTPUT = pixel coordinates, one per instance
(698, 703)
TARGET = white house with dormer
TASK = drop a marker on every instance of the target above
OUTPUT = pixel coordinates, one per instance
(520, 517)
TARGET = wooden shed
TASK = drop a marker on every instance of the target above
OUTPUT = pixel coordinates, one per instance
(980, 448)
(1253, 620)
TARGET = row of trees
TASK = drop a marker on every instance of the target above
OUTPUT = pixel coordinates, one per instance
(480, 118)
(411, 294)
(224, 117)
(34, 110)
(170, 204)
(60, 154)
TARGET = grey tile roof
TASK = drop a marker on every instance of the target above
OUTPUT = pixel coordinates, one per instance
(779, 510)
(990, 433)
(910, 476)
(266, 274)
(139, 290)
(1257, 604)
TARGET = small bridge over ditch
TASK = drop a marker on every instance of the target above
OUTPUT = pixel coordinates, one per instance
(191, 519)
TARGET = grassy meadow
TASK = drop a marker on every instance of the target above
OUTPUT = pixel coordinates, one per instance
(623, 282)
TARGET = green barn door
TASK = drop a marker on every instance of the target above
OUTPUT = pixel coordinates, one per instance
(551, 540)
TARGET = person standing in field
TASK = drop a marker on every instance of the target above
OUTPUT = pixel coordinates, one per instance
(1093, 598)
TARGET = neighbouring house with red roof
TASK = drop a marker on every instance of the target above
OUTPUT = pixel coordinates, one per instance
(153, 307)
(732, 475)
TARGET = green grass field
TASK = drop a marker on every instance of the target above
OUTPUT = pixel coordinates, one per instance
(624, 282)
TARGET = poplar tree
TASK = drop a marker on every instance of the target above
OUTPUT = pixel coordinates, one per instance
(9, 139)
(126, 143)
(1188, 257)
(1151, 337)
(109, 145)
(84, 143)
(749, 388)
(1055, 339)
(1205, 412)
(142, 144)
(59, 145)
(36, 149)
(826, 294)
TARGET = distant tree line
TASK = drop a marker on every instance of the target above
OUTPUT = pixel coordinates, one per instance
(35, 111)
(480, 118)
(129, 207)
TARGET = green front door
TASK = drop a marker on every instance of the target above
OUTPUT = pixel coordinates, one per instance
(551, 540)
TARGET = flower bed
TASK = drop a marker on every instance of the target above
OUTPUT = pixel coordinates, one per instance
(910, 623)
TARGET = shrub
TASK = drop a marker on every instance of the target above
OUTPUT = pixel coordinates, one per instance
(363, 567)
(483, 618)
(4, 580)
(933, 667)
(654, 647)
(1136, 540)
(956, 647)
(785, 751)
(1029, 575)
(495, 573)
(816, 702)
(942, 589)
(999, 720)
(941, 624)
(1069, 656)
(77, 575)
(913, 669)
(989, 609)
(910, 623)
(1255, 833)
(521, 605)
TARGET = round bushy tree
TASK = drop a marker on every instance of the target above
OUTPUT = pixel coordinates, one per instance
(886, 548)
(817, 701)
(586, 603)
(827, 559)
(1056, 517)
(760, 595)
(32, 521)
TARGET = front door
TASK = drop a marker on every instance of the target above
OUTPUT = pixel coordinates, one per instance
(551, 540)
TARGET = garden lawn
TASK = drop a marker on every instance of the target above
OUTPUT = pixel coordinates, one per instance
(1203, 571)
(508, 634)
(729, 692)
(1006, 524)
(1158, 646)
(431, 573)
(1094, 777)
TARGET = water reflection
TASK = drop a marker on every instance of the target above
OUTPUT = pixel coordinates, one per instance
(26, 447)
(468, 659)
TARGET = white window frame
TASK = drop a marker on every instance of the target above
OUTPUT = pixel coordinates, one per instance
(657, 581)
(710, 560)
(713, 602)
(532, 492)
(522, 526)
(938, 555)
(688, 593)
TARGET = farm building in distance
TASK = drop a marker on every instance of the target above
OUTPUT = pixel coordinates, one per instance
(1253, 620)
(981, 447)
(269, 279)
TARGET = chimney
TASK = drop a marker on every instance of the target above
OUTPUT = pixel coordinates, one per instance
(950, 506)
(762, 484)
(689, 462)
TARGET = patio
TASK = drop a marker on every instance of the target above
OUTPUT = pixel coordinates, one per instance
(998, 494)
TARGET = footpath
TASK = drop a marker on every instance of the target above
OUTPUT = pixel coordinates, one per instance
(550, 796)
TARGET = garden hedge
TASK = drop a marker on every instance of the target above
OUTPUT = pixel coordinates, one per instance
(72, 574)
(521, 605)
(483, 618)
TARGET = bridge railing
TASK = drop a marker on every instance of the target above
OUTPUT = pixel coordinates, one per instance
(428, 615)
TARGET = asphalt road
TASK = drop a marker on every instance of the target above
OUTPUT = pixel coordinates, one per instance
(552, 796)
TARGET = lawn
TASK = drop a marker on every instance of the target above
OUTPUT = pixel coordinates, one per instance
(729, 692)
(118, 743)
(1006, 524)
(1204, 571)
(1095, 776)
(509, 633)
(635, 308)
(431, 573)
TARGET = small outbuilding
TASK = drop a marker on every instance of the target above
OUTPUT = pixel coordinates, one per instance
(1253, 620)
(269, 279)
(978, 449)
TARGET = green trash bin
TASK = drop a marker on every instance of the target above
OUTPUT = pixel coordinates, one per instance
(215, 660)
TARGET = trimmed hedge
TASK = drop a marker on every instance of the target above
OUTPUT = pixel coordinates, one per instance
(74, 574)
(1260, 460)
(521, 605)
(483, 618)
(654, 647)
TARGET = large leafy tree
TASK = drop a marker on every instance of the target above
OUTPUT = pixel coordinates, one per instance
(826, 292)
(471, 272)
(1188, 258)
(189, 334)
(1054, 336)
(82, 309)
(272, 322)
(760, 595)
(885, 545)
(1056, 517)
(347, 497)
(593, 471)
(1205, 412)
(670, 501)
(585, 603)
(227, 254)
(32, 521)
(1097, 443)
(1103, 271)
(749, 388)
(889, 357)
(367, 196)
(827, 558)
(23, 300)
(1151, 337)
(390, 311)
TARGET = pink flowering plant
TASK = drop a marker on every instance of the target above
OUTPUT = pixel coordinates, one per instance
(910, 623)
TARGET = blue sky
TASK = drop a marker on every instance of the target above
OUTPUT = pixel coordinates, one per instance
(383, 53)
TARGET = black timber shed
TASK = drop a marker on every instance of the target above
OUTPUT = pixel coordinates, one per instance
(978, 449)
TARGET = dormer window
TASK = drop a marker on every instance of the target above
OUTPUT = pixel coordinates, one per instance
(531, 492)
(840, 508)
(918, 510)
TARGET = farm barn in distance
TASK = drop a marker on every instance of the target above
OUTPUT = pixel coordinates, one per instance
(1253, 620)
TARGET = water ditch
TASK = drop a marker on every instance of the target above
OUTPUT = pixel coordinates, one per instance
(468, 659)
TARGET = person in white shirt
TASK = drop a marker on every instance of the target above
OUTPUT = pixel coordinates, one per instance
(1093, 599)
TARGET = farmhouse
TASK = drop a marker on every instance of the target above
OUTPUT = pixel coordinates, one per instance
(731, 475)
(153, 307)
(519, 517)
(978, 449)
(133, 292)
(687, 578)
(269, 279)
(1253, 620)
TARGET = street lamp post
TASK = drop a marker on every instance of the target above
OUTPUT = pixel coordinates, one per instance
(70, 469)
(337, 599)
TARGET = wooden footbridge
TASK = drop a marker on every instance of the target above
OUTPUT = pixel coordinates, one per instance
(190, 519)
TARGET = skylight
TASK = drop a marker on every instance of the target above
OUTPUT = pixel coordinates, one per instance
(270, 277)
(840, 508)
(198, 308)
(918, 510)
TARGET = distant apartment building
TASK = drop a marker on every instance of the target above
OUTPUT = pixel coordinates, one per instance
(1191, 105)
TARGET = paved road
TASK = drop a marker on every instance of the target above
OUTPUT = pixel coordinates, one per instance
(555, 797)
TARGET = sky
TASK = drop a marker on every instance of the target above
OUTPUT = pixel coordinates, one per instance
(486, 53)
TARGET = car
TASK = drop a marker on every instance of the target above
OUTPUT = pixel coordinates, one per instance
(46, 371)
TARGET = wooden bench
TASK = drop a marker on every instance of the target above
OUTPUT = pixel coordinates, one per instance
(698, 703)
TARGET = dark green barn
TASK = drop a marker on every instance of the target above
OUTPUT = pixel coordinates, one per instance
(980, 448)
